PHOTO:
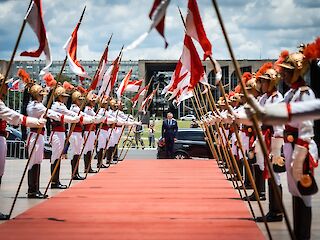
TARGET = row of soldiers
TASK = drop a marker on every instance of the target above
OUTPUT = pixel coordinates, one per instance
(286, 124)
(85, 134)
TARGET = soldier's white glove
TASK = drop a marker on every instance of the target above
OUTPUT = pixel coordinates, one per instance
(71, 119)
(35, 122)
(111, 120)
(99, 119)
(298, 156)
(87, 120)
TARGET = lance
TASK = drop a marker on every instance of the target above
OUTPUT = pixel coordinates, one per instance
(130, 128)
(209, 127)
(99, 128)
(129, 146)
(15, 47)
(227, 157)
(215, 152)
(91, 126)
(230, 153)
(254, 120)
(213, 106)
(39, 130)
(108, 142)
(148, 105)
(74, 125)
(225, 150)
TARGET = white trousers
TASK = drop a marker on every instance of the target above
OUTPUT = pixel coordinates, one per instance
(103, 138)
(57, 142)
(90, 142)
(115, 136)
(37, 155)
(3, 153)
(292, 184)
(76, 143)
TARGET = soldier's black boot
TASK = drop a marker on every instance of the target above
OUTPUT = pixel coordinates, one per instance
(4, 216)
(115, 155)
(32, 188)
(75, 168)
(55, 184)
(33, 183)
(260, 184)
(100, 162)
(0, 180)
(87, 163)
(301, 219)
(275, 213)
(109, 155)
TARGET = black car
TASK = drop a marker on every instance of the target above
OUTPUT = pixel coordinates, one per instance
(190, 143)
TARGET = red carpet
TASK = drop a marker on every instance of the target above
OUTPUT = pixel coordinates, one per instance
(142, 199)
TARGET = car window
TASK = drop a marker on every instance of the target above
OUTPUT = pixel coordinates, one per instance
(191, 135)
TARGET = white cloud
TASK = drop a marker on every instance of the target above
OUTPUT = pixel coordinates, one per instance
(256, 28)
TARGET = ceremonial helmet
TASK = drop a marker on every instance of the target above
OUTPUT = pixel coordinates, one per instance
(92, 97)
(298, 62)
(268, 72)
(76, 95)
(60, 91)
(36, 90)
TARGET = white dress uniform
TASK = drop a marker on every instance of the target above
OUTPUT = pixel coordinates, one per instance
(76, 139)
(37, 109)
(58, 133)
(14, 118)
(90, 135)
(305, 133)
(274, 133)
(104, 130)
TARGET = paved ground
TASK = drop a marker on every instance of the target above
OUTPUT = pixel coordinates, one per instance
(14, 171)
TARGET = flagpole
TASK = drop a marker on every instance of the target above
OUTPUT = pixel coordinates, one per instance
(15, 49)
(144, 96)
(73, 125)
(99, 128)
(224, 147)
(227, 156)
(148, 105)
(254, 120)
(90, 128)
(39, 130)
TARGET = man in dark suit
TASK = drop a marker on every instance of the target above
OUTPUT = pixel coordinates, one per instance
(169, 132)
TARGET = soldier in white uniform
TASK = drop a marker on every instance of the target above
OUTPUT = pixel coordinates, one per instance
(122, 119)
(105, 131)
(76, 139)
(36, 109)
(300, 149)
(58, 133)
(90, 131)
(273, 134)
(14, 118)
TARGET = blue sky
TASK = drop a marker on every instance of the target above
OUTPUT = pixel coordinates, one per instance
(257, 29)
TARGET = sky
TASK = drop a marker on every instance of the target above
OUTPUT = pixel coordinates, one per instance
(257, 29)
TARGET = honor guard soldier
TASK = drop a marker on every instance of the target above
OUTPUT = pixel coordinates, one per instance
(14, 118)
(58, 133)
(90, 131)
(300, 149)
(104, 131)
(273, 135)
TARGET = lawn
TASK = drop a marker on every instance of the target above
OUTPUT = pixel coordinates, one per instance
(158, 126)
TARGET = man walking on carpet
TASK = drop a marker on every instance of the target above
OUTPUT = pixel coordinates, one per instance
(169, 132)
